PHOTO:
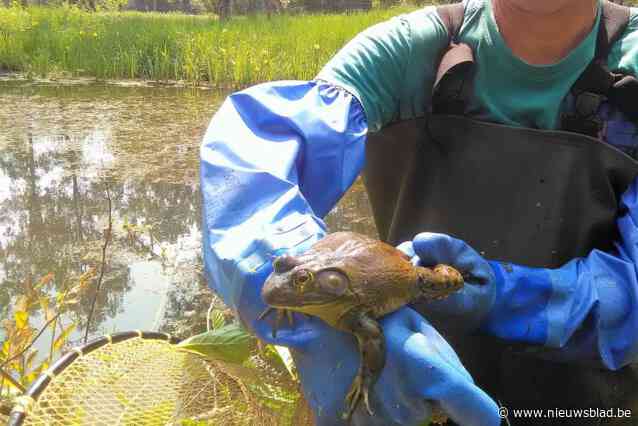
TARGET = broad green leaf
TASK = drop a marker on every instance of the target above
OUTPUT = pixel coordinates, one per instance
(230, 344)
(239, 371)
(216, 319)
(22, 319)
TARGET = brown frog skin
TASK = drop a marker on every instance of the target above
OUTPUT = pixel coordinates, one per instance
(349, 280)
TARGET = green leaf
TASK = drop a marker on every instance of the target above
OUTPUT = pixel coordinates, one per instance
(63, 337)
(230, 344)
(286, 359)
(22, 319)
(216, 319)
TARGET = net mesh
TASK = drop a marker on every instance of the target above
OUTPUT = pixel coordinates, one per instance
(149, 382)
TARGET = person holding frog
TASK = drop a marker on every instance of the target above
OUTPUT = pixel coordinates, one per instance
(497, 136)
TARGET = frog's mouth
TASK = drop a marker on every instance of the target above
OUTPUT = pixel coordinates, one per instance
(287, 298)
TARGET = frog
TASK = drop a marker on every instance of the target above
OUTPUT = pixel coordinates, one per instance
(349, 281)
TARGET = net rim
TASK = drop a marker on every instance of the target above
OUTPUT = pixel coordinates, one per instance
(28, 400)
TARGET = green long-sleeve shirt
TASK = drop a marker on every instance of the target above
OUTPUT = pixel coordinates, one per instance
(391, 67)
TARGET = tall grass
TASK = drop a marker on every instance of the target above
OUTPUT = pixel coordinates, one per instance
(244, 50)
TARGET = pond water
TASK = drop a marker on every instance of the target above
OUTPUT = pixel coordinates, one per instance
(63, 148)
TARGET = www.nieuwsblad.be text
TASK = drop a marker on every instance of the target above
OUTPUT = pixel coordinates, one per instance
(564, 413)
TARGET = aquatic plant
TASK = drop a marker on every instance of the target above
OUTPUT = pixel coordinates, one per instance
(44, 42)
(42, 300)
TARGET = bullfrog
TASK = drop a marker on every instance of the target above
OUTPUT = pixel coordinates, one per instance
(350, 280)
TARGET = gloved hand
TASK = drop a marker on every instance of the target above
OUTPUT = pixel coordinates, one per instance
(584, 310)
(421, 369)
(464, 310)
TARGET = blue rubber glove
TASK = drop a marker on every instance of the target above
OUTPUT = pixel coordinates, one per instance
(275, 159)
(421, 367)
(466, 309)
(585, 310)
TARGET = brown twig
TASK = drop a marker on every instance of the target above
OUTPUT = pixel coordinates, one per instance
(107, 239)
(10, 378)
(5, 408)
(52, 341)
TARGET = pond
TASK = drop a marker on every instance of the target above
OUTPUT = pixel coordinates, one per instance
(65, 151)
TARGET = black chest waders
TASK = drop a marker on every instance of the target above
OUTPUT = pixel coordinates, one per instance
(526, 196)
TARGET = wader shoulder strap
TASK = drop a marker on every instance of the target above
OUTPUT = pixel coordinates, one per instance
(615, 19)
(597, 83)
(452, 16)
(596, 77)
(451, 86)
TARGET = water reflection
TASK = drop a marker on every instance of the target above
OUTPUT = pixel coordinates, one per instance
(61, 147)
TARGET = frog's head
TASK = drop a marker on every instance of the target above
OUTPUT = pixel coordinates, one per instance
(296, 283)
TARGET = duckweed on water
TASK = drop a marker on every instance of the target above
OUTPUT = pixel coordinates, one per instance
(42, 41)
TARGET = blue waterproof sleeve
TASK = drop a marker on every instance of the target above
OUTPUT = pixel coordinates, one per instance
(585, 310)
(275, 159)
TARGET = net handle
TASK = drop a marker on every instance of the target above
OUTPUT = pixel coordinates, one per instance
(27, 401)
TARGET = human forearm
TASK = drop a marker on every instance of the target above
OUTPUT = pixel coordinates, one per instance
(584, 310)
(273, 163)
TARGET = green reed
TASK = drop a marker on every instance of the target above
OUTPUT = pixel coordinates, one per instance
(43, 41)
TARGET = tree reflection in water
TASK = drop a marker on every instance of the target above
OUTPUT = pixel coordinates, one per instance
(61, 144)
(59, 147)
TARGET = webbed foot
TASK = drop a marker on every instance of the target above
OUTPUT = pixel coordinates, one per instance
(372, 349)
(438, 416)
(280, 314)
(360, 389)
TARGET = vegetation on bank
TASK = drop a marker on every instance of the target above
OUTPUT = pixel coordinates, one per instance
(44, 41)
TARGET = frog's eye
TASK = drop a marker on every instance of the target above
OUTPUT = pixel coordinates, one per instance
(284, 263)
(332, 282)
(303, 277)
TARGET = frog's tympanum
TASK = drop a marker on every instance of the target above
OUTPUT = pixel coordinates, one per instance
(348, 280)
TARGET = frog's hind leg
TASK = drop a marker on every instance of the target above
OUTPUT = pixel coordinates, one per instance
(280, 314)
(372, 349)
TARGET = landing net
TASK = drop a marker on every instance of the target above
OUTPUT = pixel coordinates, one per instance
(140, 378)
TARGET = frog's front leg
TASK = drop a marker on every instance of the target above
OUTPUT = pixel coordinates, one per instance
(280, 314)
(372, 349)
